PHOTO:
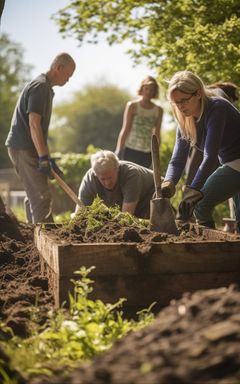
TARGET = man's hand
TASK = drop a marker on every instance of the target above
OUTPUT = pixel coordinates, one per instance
(168, 189)
(46, 164)
(190, 198)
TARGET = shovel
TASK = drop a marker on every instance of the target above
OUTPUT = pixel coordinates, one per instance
(162, 217)
(67, 189)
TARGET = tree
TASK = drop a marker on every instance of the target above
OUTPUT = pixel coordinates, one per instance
(171, 35)
(93, 116)
(2, 3)
(13, 74)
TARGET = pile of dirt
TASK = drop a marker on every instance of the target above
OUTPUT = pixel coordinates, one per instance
(22, 285)
(111, 231)
(194, 340)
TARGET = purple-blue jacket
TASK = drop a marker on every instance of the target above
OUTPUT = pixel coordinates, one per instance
(218, 135)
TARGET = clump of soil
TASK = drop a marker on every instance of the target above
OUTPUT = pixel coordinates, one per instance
(194, 340)
(111, 231)
(22, 285)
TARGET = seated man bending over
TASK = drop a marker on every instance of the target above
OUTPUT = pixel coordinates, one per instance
(126, 184)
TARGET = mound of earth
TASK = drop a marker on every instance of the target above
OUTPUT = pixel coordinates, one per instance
(194, 340)
(22, 285)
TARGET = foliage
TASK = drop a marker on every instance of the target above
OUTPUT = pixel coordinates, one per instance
(93, 116)
(72, 335)
(74, 167)
(20, 213)
(13, 74)
(166, 148)
(171, 35)
(97, 215)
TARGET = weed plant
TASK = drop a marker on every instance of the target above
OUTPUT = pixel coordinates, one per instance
(95, 217)
(71, 335)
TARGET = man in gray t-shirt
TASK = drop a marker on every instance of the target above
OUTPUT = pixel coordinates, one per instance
(27, 138)
(126, 184)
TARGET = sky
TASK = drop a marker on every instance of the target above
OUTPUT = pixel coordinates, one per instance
(29, 23)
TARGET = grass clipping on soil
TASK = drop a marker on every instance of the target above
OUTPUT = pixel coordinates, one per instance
(99, 223)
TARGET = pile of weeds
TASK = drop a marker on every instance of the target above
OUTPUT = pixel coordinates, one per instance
(93, 218)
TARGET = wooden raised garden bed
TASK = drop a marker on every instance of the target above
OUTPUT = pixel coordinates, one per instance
(157, 272)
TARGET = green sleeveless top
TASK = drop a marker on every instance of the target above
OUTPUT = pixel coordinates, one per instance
(144, 121)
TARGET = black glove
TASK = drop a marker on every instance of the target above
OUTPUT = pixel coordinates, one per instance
(46, 164)
(190, 198)
(55, 167)
(168, 189)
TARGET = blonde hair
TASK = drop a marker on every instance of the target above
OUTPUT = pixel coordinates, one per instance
(189, 83)
(104, 160)
(149, 80)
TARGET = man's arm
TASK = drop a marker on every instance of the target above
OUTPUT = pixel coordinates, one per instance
(129, 207)
(37, 134)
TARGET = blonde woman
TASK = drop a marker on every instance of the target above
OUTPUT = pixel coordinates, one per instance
(213, 125)
(142, 117)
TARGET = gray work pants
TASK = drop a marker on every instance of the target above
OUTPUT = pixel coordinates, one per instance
(39, 201)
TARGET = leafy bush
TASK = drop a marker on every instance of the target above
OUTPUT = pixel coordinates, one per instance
(70, 335)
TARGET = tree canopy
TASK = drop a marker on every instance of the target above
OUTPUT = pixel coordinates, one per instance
(13, 75)
(93, 116)
(171, 35)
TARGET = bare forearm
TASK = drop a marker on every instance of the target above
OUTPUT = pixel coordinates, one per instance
(37, 134)
(121, 140)
(129, 207)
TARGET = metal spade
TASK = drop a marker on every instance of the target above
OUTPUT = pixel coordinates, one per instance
(162, 218)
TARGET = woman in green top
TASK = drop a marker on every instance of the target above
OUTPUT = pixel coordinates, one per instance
(142, 118)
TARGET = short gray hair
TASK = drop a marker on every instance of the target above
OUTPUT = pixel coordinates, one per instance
(62, 59)
(104, 160)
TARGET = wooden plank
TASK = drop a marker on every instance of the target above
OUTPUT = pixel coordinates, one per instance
(163, 272)
(125, 259)
(143, 290)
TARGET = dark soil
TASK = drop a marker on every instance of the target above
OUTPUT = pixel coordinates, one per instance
(195, 340)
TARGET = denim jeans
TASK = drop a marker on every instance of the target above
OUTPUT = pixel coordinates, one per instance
(39, 201)
(219, 187)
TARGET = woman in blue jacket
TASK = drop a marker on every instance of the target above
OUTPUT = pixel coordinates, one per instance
(212, 124)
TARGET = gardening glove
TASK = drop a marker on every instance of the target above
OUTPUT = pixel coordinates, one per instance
(46, 164)
(55, 167)
(168, 189)
(190, 198)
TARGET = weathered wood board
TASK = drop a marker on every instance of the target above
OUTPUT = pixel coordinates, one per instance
(163, 272)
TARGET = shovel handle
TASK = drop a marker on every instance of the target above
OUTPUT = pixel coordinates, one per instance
(67, 189)
(156, 166)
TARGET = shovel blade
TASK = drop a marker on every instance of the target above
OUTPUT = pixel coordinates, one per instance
(162, 218)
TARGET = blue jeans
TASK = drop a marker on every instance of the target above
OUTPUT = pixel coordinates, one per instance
(219, 187)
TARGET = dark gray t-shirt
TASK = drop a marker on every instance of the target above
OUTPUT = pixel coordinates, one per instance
(36, 97)
(135, 184)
